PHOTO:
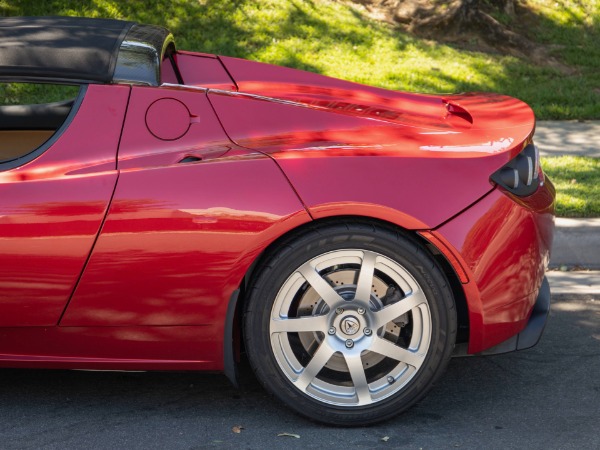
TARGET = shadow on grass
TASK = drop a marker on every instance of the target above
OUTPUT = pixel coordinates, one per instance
(208, 26)
(334, 38)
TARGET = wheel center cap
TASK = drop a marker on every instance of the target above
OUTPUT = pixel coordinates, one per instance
(350, 325)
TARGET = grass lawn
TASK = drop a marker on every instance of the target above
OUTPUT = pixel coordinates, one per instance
(338, 39)
(577, 181)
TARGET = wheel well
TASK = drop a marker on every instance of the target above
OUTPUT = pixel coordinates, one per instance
(453, 280)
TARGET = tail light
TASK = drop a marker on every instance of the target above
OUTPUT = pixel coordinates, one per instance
(521, 175)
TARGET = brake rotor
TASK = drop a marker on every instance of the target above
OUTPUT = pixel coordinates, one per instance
(344, 282)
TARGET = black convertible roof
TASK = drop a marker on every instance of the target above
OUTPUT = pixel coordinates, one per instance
(82, 50)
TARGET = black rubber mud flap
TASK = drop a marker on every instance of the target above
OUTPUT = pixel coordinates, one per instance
(229, 363)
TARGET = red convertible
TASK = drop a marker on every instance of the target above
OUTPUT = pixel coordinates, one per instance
(169, 210)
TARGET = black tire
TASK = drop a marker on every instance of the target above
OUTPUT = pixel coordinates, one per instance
(285, 361)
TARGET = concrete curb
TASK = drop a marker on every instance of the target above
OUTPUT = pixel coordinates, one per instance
(576, 243)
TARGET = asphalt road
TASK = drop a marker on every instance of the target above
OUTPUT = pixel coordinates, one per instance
(544, 398)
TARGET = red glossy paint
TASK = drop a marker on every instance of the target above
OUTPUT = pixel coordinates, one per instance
(319, 150)
(198, 131)
(402, 151)
(120, 348)
(174, 192)
(178, 240)
(446, 249)
(203, 70)
(50, 213)
(505, 248)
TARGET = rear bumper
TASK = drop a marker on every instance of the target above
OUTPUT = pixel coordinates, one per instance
(532, 333)
(502, 244)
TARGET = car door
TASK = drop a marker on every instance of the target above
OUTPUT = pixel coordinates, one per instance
(191, 211)
(56, 182)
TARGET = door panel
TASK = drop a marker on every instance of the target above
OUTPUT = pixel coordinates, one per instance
(190, 213)
(178, 240)
(51, 210)
(46, 232)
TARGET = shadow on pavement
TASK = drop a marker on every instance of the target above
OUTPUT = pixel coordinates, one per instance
(546, 397)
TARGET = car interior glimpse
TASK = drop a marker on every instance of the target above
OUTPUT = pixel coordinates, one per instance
(26, 126)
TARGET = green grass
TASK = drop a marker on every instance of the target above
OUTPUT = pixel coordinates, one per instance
(570, 31)
(30, 93)
(577, 181)
(339, 40)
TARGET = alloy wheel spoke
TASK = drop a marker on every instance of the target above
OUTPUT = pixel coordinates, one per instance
(391, 350)
(320, 285)
(365, 277)
(310, 332)
(312, 369)
(395, 310)
(299, 324)
(359, 379)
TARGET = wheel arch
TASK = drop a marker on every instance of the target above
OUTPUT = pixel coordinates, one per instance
(233, 339)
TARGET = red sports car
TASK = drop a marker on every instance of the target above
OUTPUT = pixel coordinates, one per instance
(175, 210)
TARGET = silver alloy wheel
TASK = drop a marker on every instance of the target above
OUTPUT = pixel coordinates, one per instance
(339, 335)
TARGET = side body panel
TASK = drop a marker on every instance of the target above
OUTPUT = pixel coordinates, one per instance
(366, 153)
(177, 242)
(109, 348)
(346, 165)
(51, 210)
(181, 234)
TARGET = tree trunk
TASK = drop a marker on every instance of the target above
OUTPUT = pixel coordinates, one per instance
(446, 20)
(509, 7)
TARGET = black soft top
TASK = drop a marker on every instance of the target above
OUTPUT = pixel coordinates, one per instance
(81, 50)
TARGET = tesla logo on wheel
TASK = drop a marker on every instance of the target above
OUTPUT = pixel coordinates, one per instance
(350, 325)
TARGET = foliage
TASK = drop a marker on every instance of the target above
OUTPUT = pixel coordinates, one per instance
(340, 40)
(30, 93)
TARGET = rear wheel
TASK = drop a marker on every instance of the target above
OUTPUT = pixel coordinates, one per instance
(349, 324)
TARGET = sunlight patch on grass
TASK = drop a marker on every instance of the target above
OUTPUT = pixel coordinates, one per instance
(339, 40)
(577, 182)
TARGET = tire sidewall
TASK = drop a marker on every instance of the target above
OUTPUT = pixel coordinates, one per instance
(276, 269)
